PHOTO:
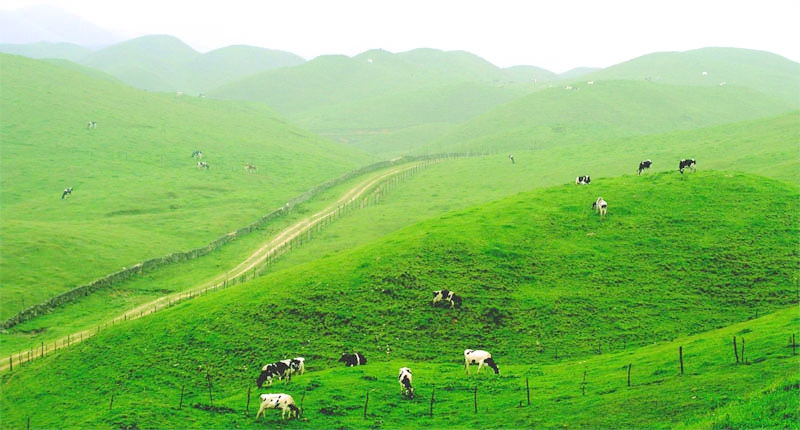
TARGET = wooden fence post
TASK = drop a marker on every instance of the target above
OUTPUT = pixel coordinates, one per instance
(629, 374)
(180, 404)
(743, 359)
(680, 354)
(366, 402)
(735, 350)
(583, 384)
(475, 399)
(528, 389)
(111, 405)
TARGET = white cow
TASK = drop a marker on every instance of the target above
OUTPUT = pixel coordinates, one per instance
(405, 382)
(600, 206)
(281, 401)
(479, 357)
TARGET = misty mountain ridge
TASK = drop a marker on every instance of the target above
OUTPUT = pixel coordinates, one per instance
(50, 24)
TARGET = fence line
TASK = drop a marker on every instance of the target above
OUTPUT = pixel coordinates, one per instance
(154, 263)
(373, 195)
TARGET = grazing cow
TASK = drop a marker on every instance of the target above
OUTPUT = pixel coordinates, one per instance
(351, 360)
(67, 192)
(686, 163)
(202, 165)
(271, 371)
(583, 180)
(644, 165)
(197, 154)
(479, 357)
(447, 296)
(91, 125)
(296, 365)
(511, 156)
(249, 167)
(405, 383)
(281, 401)
(600, 206)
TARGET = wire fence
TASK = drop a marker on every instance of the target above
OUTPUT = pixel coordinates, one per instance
(371, 196)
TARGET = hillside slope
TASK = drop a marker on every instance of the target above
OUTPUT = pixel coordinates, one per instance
(768, 73)
(543, 280)
(607, 110)
(137, 191)
(165, 63)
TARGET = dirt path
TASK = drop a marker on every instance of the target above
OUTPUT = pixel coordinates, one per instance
(270, 248)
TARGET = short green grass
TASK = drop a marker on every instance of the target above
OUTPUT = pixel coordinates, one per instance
(549, 288)
(137, 193)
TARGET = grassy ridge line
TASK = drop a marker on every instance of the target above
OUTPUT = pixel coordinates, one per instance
(272, 249)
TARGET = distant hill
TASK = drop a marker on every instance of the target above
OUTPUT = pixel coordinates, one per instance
(765, 72)
(620, 102)
(163, 63)
(134, 168)
(377, 100)
(50, 24)
(42, 50)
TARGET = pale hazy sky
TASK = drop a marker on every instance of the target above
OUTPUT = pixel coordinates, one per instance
(555, 34)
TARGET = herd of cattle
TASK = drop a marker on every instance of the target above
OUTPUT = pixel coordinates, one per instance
(284, 369)
(601, 206)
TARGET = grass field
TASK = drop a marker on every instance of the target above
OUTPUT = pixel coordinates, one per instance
(568, 303)
(542, 278)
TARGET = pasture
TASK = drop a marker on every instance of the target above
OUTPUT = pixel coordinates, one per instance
(549, 289)
(568, 303)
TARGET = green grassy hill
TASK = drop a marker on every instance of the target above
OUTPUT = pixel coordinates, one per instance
(383, 102)
(558, 295)
(42, 50)
(768, 73)
(164, 63)
(137, 192)
(607, 110)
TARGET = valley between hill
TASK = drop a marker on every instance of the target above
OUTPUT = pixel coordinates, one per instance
(272, 248)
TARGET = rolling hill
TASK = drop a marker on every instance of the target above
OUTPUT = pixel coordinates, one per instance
(565, 301)
(606, 110)
(164, 63)
(550, 289)
(137, 192)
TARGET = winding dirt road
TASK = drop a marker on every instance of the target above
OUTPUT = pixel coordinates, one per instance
(272, 248)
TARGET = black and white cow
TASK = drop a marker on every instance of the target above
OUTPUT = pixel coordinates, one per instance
(644, 165)
(405, 383)
(296, 365)
(281, 401)
(351, 360)
(92, 124)
(202, 165)
(67, 192)
(583, 180)
(511, 156)
(479, 357)
(197, 154)
(686, 164)
(271, 371)
(447, 296)
(600, 206)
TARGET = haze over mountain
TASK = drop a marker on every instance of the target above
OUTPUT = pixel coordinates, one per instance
(50, 24)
